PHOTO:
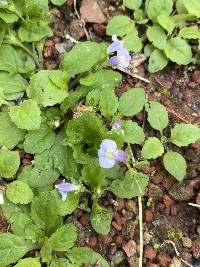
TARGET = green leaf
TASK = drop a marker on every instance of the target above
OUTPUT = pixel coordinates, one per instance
(87, 54)
(19, 192)
(8, 17)
(140, 16)
(37, 8)
(166, 22)
(189, 33)
(133, 133)
(175, 164)
(108, 103)
(148, 49)
(13, 85)
(2, 98)
(12, 248)
(132, 4)
(120, 26)
(81, 255)
(132, 185)
(92, 174)
(100, 219)
(44, 212)
(152, 148)
(14, 60)
(157, 116)
(157, 36)
(184, 134)
(33, 30)
(29, 262)
(48, 87)
(132, 102)
(39, 140)
(155, 8)
(178, 51)
(9, 163)
(7, 138)
(27, 115)
(157, 61)
(192, 7)
(58, 2)
(60, 262)
(132, 42)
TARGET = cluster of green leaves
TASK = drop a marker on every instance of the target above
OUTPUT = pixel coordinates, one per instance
(63, 130)
(169, 31)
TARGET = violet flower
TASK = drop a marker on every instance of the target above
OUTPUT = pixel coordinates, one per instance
(117, 124)
(109, 154)
(116, 45)
(64, 188)
(122, 59)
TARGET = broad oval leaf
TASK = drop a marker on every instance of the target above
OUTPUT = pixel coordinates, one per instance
(120, 26)
(29, 262)
(19, 192)
(152, 148)
(157, 36)
(155, 8)
(157, 61)
(133, 133)
(132, 102)
(132, 4)
(175, 164)
(9, 163)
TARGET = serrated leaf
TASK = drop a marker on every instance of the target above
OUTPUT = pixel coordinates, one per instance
(178, 51)
(192, 7)
(81, 255)
(44, 212)
(133, 133)
(48, 87)
(27, 115)
(120, 26)
(60, 262)
(157, 36)
(184, 134)
(108, 103)
(12, 85)
(157, 116)
(132, 185)
(166, 22)
(9, 163)
(157, 61)
(29, 262)
(12, 248)
(155, 8)
(87, 54)
(93, 175)
(14, 60)
(100, 219)
(39, 140)
(175, 164)
(189, 33)
(7, 138)
(132, 4)
(152, 148)
(37, 8)
(132, 42)
(132, 102)
(19, 192)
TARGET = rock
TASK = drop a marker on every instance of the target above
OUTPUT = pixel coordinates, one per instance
(105, 239)
(196, 249)
(131, 206)
(173, 211)
(155, 192)
(196, 76)
(85, 219)
(150, 253)
(187, 242)
(181, 191)
(92, 242)
(76, 29)
(129, 230)
(91, 12)
(163, 259)
(117, 226)
(148, 216)
(118, 204)
(118, 257)
(119, 240)
(130, 248)
(99, 29)
(168, 201)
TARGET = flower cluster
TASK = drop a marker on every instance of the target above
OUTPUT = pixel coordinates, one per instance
(122, 59)
(109, 154)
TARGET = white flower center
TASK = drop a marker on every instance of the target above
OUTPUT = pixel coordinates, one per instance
(110, 153)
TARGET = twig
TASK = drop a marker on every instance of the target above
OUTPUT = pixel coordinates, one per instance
(67, 36)
(81, 21)
(194, 205)
(140, 216)
(178, 253)
(176, 115)
(134, 75)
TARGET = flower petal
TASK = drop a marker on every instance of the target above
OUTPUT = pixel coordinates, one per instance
(108, 144)
(120, 155)
(106, 163)
(114, 60)
(101, 152)
(63, 195)
(117, 124)
(66, 187)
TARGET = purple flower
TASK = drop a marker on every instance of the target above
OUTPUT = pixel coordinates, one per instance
(64, 188)
(109, 154)
(122, 59)
(116, 45)
(117, 124)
